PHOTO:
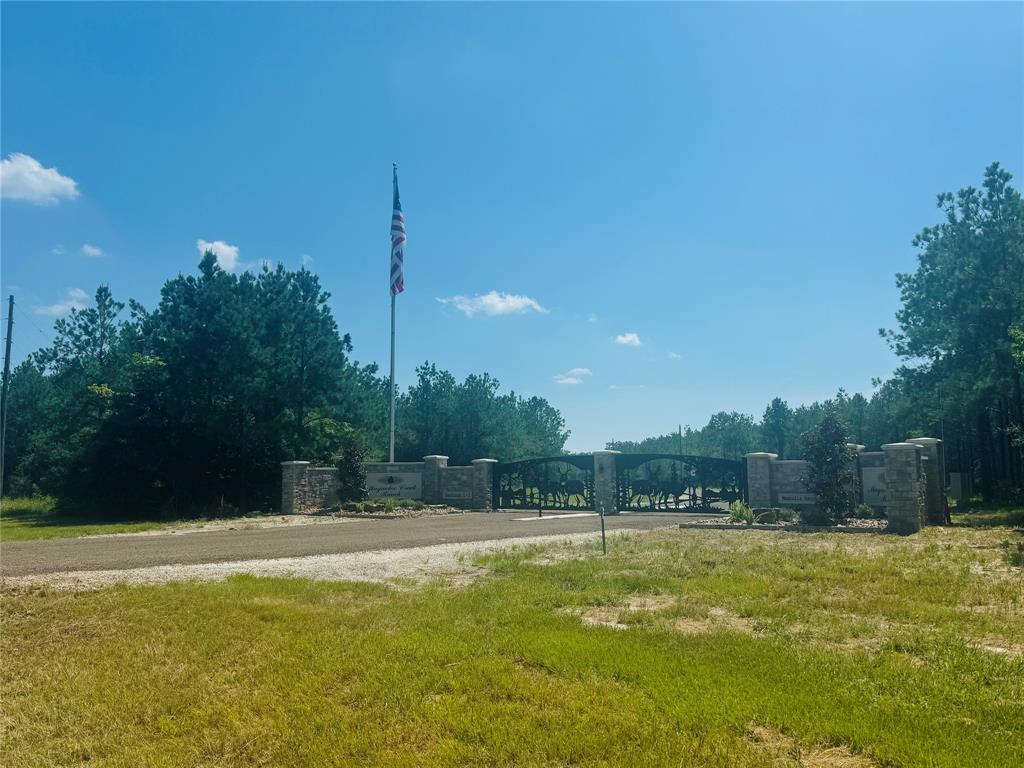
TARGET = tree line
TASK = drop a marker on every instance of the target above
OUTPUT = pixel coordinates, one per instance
(190, 407)
(960, 335)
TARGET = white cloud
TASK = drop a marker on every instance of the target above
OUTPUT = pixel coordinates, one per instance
(494, 303)
(58, 250)
(227, 255)
(76, 300)
(592, 317)
(572, 376)
(307, 260)
(674, 356)
(24, 178)
(92, 250)
(629, 339)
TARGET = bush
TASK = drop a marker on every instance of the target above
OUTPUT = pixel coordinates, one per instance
(864, 512)
(830, 468)
(741, 513)
(351, 470)
(785, 515)
(817, 516)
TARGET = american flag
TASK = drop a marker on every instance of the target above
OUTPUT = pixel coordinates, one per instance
(397, 243)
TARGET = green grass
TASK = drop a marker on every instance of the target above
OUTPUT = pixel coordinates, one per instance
(986, 518)
(22, 519)
(870, 644)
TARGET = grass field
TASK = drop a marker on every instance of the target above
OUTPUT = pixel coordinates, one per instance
(680, 648)
(24, 518)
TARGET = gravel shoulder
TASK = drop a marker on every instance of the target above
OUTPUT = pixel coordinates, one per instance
(453, 562)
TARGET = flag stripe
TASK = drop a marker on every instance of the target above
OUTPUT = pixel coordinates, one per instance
(397, 244)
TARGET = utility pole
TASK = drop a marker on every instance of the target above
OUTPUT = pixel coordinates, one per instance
(6, 387)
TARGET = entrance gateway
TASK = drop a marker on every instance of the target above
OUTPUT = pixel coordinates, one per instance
(643, 482)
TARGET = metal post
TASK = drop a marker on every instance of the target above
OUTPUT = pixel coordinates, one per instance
(604, 541)
(6, 387)
(391, 452)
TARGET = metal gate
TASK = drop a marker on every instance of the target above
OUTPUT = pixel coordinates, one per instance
(667, 482)
(559, 482)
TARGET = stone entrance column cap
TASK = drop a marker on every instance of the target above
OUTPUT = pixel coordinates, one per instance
(900, 447)
(924, 440)
(435, 456)
(760, 454)
(483, 461)
(607, 453)
(287, 463)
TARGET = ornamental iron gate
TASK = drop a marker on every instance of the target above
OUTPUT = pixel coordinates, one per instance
(560, 482)
(666, 482)
(643, 482)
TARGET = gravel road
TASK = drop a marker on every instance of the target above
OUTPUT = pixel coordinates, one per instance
(134, 551)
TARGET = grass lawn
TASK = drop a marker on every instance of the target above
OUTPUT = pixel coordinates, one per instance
(23, 518)
(680, 648)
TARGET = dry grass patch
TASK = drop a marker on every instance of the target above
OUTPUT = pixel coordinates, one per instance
(786, 751)
(718, 620)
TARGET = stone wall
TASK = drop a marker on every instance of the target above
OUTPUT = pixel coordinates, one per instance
(790, 486)
(903, 479)
(306, 489)
(457, 486)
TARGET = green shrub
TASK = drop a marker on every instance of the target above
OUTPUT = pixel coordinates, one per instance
(351, 470)
(785, 515)
(829, 467)
(864, 512)
(739, 512)
(817, 516)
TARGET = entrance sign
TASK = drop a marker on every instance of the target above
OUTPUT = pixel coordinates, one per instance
(873, 483)
(797, 498)
(395, 483)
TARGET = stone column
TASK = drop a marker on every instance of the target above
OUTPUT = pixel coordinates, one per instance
(759, 479)
(483, 484)
(293, 474)
(432, 466)
(935, 485)
(605, 486)
(903, 487)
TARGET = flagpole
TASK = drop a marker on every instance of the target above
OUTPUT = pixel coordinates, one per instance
(394, 178)
(391, 453)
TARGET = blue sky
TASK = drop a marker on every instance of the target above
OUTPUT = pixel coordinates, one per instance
(730, 187)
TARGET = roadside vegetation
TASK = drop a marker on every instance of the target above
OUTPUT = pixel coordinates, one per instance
(715, 648)
(22, 519)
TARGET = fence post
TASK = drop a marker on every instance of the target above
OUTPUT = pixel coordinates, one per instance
(605, 485)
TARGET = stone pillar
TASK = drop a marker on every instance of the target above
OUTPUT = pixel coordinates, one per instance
(605, 485)
(759, 479)
(903, 487)
(483, 484)
(935, 485)
(293, 473)
(432, 466)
